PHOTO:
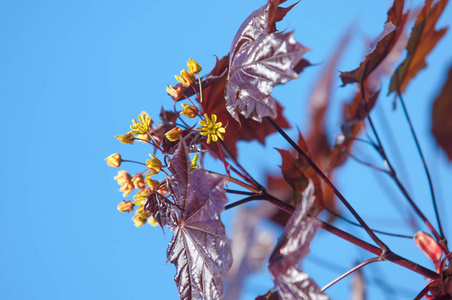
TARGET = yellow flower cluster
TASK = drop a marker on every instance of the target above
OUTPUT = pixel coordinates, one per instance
(142, 130)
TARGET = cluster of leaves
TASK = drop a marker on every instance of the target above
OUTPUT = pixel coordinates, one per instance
(190, 199)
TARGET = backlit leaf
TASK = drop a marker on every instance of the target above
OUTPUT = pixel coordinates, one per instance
(381, 46)
(214, 103)
(441, 117)
(291, 282)
(199, 248)
(260, 59)
(422, 40)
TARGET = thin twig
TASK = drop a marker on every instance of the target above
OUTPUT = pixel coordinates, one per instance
(374, 230)
(329, 183)
(391, 169)
(284, 206)
(427, 173)
(369, 261)
(238, 192)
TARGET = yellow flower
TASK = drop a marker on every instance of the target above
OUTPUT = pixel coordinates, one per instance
(114, 160)
(141, 196)
(143, 126)
(143, 138)
(185, 78)
(122, 177)
(189, 110)
(194, 161)
(138, 181)
(152, 222)
(125, 181)
(139, 221)
(173, 134)
(211, 128)
(125, 206)
(193, 66)
(126, 188)
(126, 138)
(163, 189)
(151, 182)
(141, 216)
(175, 93)
(154, 165)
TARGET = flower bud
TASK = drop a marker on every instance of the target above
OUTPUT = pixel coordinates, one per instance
(154, 165)
(126, 138)
(429, 246)
(143, 138)
(185, 78)
(141, 216)
(173, 134)
(138, 181)
(176, 93)
(114, 160)
(189, 110)
(153, 184)
(122, 177)
(125, 206)
(126, 188)
(138, 221)
(193, 66)
(141, 196)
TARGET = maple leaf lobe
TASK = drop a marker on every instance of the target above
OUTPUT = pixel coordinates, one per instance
(199, 248)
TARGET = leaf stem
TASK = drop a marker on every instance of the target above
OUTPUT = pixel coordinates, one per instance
(355, 268)
(322, 175)
(133, 161)
(240, 183)
(424, 163)
(238, 192)
(374, 230)
(263, 196)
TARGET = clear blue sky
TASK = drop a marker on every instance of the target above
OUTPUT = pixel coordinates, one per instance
(74, 74)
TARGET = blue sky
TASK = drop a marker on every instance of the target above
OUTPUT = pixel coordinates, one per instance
(74, 74)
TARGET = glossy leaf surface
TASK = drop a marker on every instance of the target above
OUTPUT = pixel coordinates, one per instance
(260, 59)
(199, 248)
(291, 282)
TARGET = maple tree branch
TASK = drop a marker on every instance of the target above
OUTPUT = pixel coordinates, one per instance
(424, 163)
(329, 183)
(391, 172)
(382, 254)
(355, 268)
(388, 256)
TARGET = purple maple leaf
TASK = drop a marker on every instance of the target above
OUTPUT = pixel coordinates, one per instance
(199, 248)
(260, 59)
(291, 282)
